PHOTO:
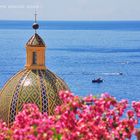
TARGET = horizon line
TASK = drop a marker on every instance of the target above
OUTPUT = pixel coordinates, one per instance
(72, 20)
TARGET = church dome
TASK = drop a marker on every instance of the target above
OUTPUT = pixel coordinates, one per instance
(34, 84)
(30, 86)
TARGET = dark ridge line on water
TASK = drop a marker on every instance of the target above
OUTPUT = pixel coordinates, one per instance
(101, 50)
(73, 25)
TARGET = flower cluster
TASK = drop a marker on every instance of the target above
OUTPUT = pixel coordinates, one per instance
(76, 119)
(136, 106)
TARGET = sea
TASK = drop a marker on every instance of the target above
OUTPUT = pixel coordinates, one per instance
(78, 52)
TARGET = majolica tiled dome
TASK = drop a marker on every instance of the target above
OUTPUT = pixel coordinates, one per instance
(35, 84)
(30, 86)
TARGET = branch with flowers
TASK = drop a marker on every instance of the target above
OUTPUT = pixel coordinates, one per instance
(77, 118)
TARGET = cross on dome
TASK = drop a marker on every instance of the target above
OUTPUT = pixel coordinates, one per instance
(35, 25)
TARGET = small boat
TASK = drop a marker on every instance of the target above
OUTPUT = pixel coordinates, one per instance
(99, 80)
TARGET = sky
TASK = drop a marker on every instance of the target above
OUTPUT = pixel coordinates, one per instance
(70, 9)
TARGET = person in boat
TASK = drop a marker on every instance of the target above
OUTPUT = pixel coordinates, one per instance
(99, 79)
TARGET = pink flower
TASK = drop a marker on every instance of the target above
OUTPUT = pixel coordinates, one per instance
(76, 118)
(130, 113)
(136, 106)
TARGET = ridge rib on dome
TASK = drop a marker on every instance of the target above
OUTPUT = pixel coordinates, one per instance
(36, 40)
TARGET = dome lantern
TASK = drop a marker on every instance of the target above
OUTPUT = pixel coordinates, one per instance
(35, 51)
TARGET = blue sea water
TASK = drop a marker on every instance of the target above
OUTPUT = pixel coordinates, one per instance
(79, 52)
